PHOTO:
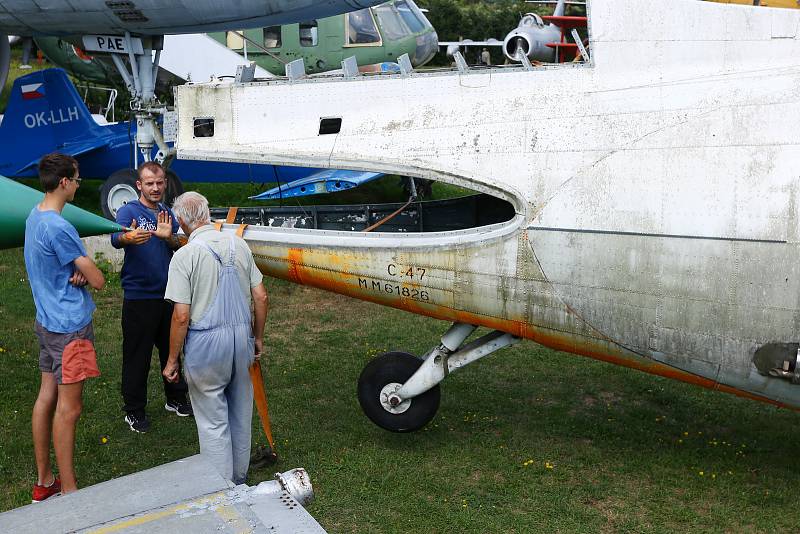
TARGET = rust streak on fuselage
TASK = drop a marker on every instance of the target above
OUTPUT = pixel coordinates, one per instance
(295, 256)
(602, 350)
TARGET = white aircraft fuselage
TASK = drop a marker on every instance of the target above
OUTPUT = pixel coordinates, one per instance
(656, 189)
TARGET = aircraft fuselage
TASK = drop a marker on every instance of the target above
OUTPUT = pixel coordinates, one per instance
(656, 189)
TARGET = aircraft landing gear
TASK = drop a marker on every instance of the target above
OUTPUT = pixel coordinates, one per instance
(400, 393)
(174, 188)
(116, 191)
(378, 384)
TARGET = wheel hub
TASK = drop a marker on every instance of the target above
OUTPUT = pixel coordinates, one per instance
(390, 401)
(119, 195)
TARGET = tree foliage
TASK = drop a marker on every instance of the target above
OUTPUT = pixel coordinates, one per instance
(476, 20)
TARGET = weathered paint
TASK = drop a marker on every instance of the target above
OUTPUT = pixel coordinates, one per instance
(607, 351)
(655, 189)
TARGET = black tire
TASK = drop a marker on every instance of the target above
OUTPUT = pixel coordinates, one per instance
(388, 368)
(174, 188)
(114, 191)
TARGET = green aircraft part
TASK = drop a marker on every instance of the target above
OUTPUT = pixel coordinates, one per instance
(17, 201)
(373, 35)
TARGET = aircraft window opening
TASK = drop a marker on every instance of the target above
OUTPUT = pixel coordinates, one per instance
(330, 125)
(272, 37)
(234, 40)
(411, 19)
(360, 28)
(204, 127)
(391, 23)
(309, 33)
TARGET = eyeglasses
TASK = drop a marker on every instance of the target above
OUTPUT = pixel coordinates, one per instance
(75, 180)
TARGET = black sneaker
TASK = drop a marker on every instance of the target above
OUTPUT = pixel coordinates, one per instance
(138, 422)
(179, 408)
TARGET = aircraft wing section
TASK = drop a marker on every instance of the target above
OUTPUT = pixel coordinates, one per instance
(567, 23)
(183, 496)
(327, 181)
(70, 149)
(470, 42)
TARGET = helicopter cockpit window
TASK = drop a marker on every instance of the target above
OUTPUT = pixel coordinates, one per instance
(309, 35)
(234, 40)
(360, 29)
(272, 37)
(392, 25)
(409, 16)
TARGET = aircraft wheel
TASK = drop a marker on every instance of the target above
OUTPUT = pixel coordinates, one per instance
(383, 376)
(116, 191)
(174, 188)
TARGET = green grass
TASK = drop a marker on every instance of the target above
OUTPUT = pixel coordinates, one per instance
(626, 449)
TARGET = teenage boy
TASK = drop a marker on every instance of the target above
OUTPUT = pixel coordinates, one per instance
(58, 271)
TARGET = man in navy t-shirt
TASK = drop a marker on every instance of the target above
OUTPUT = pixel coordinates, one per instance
(146, 315)
(58, 271)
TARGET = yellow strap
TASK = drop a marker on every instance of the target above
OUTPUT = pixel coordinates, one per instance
(218, 226)
(240, 230)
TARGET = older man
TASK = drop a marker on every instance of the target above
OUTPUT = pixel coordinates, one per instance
(211, 283)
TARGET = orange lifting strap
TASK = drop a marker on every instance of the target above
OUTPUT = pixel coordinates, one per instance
(259, 391)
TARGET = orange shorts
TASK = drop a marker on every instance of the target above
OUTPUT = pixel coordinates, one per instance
(70, 357)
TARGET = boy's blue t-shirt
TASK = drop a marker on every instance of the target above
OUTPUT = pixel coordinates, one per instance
(51, 247)
(145, 269)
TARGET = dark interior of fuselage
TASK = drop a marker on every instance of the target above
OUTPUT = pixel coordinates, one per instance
(450, 214)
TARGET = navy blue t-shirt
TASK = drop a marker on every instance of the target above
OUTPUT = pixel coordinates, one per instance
(144, 271)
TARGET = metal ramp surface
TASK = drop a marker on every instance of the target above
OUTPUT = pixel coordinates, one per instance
(182, 496)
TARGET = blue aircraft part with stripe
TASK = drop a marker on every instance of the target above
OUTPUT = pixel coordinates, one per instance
(327, 181)
(45, 113)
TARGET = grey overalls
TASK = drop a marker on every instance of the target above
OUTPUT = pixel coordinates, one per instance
(218, 351)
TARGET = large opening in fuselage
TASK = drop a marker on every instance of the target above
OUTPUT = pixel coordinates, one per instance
(383, 206)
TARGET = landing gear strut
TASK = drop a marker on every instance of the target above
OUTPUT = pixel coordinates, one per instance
(400, 393)
(140, 82)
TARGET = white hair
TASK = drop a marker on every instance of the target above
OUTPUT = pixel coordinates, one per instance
(192, 209)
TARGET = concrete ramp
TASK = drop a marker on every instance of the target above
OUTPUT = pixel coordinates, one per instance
(183, 496)
(197, 57)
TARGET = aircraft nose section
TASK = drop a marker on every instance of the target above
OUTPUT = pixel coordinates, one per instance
(516, 45)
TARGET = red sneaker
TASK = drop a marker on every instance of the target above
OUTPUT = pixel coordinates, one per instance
(41, 493)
